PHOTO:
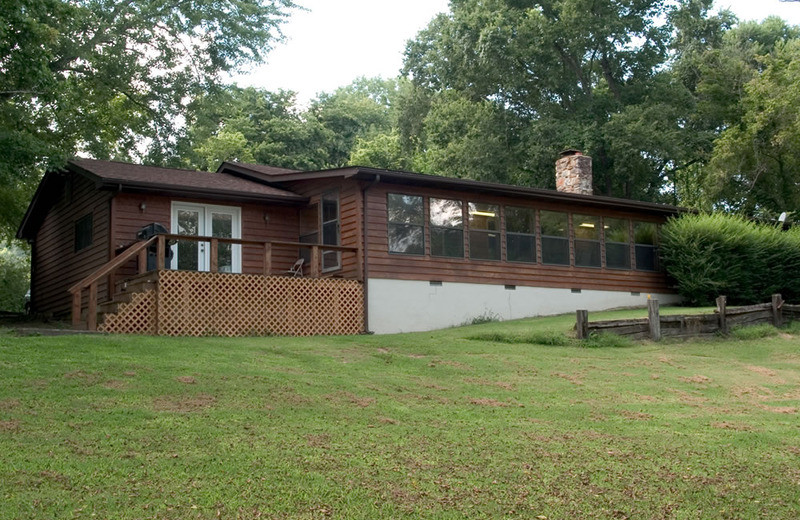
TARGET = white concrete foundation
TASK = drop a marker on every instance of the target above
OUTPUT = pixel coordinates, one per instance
(411, 306)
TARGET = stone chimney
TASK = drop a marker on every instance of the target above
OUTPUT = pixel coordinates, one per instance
(574, 173)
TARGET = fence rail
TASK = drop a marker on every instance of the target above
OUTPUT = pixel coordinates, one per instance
(656, 326)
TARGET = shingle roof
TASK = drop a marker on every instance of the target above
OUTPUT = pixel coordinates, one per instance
(113, 172)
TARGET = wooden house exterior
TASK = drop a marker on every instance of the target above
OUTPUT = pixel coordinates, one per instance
(384, 251)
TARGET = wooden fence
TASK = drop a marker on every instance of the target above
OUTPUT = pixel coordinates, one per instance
(721, 321)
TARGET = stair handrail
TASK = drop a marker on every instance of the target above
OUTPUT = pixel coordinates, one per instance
(91, 282)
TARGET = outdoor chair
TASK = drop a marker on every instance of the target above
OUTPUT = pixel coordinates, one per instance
(297, 268)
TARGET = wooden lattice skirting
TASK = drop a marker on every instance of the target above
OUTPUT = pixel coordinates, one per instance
(187, 303)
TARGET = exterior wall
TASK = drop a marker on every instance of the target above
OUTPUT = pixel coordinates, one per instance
(350, 215)
(56, 265)
(281, 224)
(408, 306)
(385, 265)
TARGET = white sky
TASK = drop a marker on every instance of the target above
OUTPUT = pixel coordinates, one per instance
(336, 41)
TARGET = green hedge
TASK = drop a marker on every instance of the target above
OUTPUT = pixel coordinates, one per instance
(717, 254)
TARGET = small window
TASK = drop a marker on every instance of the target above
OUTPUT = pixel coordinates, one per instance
(618, 247)
(555, 237)
(587, 240)
(330, 230)
(484, 231)
(521, 234)
(83, 232)
(406, 224)
(447, 228)
(645, 236)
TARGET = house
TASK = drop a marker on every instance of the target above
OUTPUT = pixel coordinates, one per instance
(383, 251)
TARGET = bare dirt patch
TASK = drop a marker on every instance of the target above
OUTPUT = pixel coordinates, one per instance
(485, 382)
(668, 361)
(483, 401)
(728, 425)
(646, 398)
(86, 378)
(636, 416)
(416, 356)
(9, 404)
(129, 373)
(187, 380)
(388, 420)
(766, 372)
(686, 397)
(192, 403)
(575, 380)
(115, 384)
(447, 362)
(791, 410)
(322, 440)
(361, 402)
(753, 393)
(699, 379)
(9, 426)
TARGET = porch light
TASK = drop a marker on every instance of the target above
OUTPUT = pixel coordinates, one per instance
(142, 207)
(484, 213)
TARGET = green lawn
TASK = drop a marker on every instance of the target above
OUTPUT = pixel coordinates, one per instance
(427, 425)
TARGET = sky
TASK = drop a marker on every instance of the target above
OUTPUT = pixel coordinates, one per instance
(336, 41)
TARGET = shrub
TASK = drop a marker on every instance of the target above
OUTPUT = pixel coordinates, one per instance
(711, 255)
(14, 279)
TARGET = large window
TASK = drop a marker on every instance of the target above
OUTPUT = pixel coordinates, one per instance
(587, 240)
(406, 224)
(447, 228)
(309, 230)
(520, 234)
(645, 236)
(618, 247)
(484, 231)
(83, 232)
(555, 237)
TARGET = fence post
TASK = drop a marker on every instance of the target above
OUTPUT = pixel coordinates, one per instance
(582, 325)
(722, 314)
(654, 319)
(777, 314)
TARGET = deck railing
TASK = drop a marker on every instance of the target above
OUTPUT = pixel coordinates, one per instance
(140, 251)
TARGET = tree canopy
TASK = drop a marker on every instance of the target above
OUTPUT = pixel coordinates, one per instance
(111, 78)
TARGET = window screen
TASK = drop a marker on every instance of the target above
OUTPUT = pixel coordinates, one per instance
(447, 228)
(645, 235)
(587, 240)
(618, 247)
(521, 234)
(484, 231)
(555, 237)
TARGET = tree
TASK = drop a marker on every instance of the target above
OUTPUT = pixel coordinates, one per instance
(103, 76)
(755, 163)
(583, 74)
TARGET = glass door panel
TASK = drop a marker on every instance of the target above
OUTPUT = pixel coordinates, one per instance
(188, 254)
(222, 227)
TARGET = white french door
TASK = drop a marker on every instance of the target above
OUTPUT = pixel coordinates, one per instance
(206, 220)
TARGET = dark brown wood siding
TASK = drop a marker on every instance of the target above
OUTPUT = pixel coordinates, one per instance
(260, 222)
(56, 264)
(383, 264)
(350, 219)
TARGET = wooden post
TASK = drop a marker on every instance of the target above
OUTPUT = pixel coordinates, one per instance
(143, 261)
(91, 317)
(267, 258)
(214, 255)
(359, 264)
(654, 319)
(582, 325)
(315, 262)
(76, 308)
(777, 314)
(160, 249)
(721, 311)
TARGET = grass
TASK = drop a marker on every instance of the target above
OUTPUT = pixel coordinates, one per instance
(429, 425)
